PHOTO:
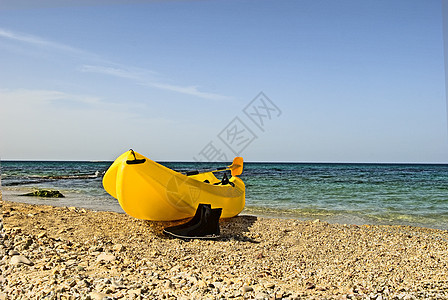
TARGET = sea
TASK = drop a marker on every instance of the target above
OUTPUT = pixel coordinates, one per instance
(345, 193)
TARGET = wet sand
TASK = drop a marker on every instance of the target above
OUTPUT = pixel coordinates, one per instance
(71, 253)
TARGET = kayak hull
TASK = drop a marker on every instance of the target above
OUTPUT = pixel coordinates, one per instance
(149, 191)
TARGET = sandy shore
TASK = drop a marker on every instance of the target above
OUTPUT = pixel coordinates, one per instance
(71, 253)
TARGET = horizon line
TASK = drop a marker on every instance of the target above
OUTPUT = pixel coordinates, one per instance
(217, 162)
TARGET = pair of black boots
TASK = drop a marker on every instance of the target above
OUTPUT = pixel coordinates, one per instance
(204, 224)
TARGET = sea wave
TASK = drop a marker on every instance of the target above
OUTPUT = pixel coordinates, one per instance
(33, 179)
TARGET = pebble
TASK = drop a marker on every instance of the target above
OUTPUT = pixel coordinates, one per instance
(13, 252)
(98, 296)
(261, 296)
(118, 248)
(201, 283)
(41, 235)
(247, 289)
(137, 292)
(270, 285)
(310, 285)
(105, 257)
(168, 284)
(20, 259)
(71, 263)
(116, 284)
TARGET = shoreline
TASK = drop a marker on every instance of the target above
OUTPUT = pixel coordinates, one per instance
(78, 253)
(350, 218)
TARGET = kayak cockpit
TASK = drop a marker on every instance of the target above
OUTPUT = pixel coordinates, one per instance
(210, 178)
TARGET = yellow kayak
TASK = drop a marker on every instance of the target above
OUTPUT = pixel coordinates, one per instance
(149, 191)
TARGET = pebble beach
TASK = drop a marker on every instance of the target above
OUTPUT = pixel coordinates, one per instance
(52, 252)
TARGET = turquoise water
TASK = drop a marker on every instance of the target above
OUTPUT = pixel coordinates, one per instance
(405, 194)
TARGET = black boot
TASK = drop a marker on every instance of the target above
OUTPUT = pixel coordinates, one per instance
(206, 228)
(196, 218)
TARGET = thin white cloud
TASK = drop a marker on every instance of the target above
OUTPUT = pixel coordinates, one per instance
(189, 90)
(121, 72)
(40, 42)
(140, 76)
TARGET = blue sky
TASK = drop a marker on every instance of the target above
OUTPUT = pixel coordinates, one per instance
(346, 81)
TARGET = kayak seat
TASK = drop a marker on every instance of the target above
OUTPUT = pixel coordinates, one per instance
(225, 180)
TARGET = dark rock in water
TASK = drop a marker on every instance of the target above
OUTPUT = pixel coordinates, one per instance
(45, 193)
